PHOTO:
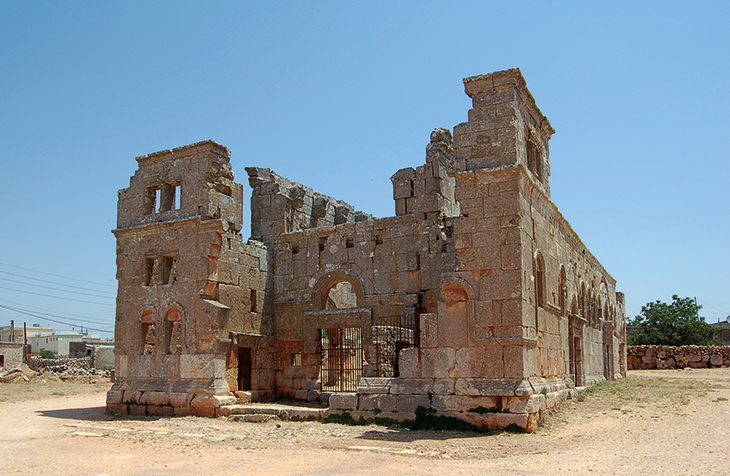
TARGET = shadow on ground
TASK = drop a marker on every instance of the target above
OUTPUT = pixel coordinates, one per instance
(87, 413)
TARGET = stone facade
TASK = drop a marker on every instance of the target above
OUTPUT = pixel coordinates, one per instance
(477, 300)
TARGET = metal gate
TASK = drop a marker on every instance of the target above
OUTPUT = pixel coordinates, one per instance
(342, 359)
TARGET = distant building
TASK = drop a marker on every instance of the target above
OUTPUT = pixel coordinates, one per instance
(15, 333)
(722, 331)
(59, 342)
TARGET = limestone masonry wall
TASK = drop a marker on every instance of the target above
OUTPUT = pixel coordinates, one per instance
(645, 357)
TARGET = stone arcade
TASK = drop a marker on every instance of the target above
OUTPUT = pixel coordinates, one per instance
(476, 301)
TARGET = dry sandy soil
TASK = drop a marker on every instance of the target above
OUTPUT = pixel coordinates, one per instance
(654, 422)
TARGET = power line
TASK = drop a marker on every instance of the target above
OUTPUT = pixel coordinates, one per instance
(713, 307)
(57, 313)
(53, 282)
(75, 318)
(57, 275)
(55, 289)
(57, 297)
(106, 331)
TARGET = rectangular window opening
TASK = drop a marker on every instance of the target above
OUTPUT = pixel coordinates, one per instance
(152, 199)
(379, 239)
(253, 300)
(176, 196)
(169, 264)
(151, 272)
(350, 243)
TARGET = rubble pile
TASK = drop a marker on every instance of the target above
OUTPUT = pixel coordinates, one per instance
(62, 368)
(20, 374)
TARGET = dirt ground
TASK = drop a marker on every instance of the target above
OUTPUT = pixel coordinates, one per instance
(653, 422)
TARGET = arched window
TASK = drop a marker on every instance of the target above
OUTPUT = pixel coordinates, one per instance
(174, 331)
(149, 332)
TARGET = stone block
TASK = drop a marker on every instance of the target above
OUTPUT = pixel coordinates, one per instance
(662, 364)
(220, 400)
(343, 401)
(242, 397)
(411, 386)
(202, 406)
(479, 362)
(132, 396)
(403, 183)
(114, 397)
(409, 403)
(137, 409)
(180, 399)
(486, 387)
(437, 362)
(374, 385)
(116, 408)
(160, 411)
(155, 398)
(523, 404)
(444, 386)
(300, 394)
(384, 403)
(715, 360)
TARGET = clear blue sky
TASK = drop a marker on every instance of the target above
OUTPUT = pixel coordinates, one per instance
(340, 95)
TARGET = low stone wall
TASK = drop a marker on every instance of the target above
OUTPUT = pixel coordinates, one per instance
(165, 403)
(398, 399)
(645, 357)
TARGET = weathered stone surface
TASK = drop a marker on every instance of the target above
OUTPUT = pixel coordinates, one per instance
(343, 401)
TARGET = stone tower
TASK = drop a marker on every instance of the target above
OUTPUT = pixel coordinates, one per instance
(180, 259)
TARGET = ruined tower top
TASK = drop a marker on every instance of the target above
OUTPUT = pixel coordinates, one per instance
(505, 127)
(193, 181)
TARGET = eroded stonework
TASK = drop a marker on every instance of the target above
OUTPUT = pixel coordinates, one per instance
(476, 301)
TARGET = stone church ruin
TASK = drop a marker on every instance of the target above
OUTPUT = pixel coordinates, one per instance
(477, 300)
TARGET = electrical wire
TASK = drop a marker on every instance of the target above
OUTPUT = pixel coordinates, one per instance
(106, 331)
(53, 282)
(56, 313)
(57, 297)
(57, 275)
(73, 317)
(713, 307)
(56, 289)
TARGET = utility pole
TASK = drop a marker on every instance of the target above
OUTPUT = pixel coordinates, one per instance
(697, 309)
(12, 330)
(25, 343)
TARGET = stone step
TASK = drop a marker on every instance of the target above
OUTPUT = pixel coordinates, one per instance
(284, 412)
(253, 417)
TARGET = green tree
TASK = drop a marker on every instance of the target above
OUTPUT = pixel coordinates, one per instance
(46, 354)
(677, 323)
